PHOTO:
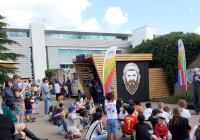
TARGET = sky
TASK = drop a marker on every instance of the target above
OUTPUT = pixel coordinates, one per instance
(105, 15)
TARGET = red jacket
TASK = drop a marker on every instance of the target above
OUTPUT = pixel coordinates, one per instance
(161, 131)
(62, 89)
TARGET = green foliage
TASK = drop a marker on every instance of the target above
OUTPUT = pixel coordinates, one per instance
(49, 73)
(165, 53)
(5, 53)
(174, 98)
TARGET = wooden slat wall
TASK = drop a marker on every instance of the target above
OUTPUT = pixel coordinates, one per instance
(158, 87)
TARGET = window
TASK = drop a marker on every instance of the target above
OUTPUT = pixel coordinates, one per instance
(63, 66)
(82, 51)
(61, 51)
(118, 52)
(16, 34)
(74, 78)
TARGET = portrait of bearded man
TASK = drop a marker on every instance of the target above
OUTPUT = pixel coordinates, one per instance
(131, 77)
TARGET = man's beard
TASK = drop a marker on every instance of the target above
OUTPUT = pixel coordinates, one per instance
(131, 85)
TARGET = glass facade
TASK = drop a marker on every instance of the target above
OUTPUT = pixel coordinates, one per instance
(90, 37)
(82, 51)
(16, 34)
(66, 66)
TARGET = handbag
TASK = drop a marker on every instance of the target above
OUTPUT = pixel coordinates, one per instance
(9, 103)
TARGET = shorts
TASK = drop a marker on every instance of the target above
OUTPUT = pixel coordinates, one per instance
(29, 112)
(121, 120)
(73, 129)
(22, 113)
(112, 126)
(17, 106)
(12, 107)
(34, 111)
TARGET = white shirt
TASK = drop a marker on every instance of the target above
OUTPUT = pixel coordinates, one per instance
(147, 113)
(57, 88)
(185, 113)
(169, 114)
(166, 117)
(110, 109)
(29, 86)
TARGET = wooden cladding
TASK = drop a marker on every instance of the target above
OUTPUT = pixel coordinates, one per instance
(158, 87)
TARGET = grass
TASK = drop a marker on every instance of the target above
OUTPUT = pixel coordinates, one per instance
(174, 98)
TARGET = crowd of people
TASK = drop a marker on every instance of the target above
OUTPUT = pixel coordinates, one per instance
(102, 122)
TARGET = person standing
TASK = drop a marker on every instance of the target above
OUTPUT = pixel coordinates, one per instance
(46, 95)
(196, 91)
(99, 90)
(92, 86)
(69, 88)
(62, 89)
(17, 96)
(57, 90)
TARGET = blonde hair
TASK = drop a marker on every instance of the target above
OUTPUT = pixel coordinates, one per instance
(182, 103)
(166, 108)
(160, 105)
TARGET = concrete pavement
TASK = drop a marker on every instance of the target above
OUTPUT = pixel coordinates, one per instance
(44, 129)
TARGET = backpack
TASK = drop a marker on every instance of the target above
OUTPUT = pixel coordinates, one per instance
(6, 100)
(3, 95)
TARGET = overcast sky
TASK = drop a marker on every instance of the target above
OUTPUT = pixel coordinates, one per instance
(105, 15)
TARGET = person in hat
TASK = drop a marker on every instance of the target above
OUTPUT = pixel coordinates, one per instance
(73, 130)
(161, 130)
(57, 117)
(154, 118)
(28, 107)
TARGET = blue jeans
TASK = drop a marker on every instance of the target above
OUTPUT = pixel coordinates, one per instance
(196, 94)
(99, 94)
(101, 137)
(47, 105)
(63, 94)
(112, 126)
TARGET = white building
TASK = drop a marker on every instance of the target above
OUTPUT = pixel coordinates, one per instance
(52, 49)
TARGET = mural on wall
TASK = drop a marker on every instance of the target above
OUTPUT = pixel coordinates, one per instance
(131, 77)
(189, 73)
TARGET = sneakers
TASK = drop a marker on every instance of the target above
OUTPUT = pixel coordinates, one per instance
(33, 120)
(123, 136)
(132, 138)
(71, 135)
(67, 135)
(27, 120)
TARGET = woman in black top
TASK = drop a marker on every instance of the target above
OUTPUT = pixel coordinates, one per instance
(180, 126)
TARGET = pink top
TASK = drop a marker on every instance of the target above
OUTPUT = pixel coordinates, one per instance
(123, 115)
(104, 122)
(33, 105)
(32, 90)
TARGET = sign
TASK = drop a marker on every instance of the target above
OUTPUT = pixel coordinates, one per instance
(108, 69)
(182, 82)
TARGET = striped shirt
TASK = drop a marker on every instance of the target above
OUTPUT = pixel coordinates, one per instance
(94, 130)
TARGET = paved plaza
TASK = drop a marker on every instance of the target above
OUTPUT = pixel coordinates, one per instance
(44, 129)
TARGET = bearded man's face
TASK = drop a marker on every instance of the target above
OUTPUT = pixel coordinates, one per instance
(131, 81)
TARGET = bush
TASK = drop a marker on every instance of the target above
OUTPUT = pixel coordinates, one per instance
(174, 98)
(49, 73)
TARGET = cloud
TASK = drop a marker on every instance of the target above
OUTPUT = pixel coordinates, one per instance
(192, 9)
(197, 31)
(56, 13)
(114, 18)
(90, 24)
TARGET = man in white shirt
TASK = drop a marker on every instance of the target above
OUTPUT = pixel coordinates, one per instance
(57, 90)
(148, 111)
(161, 107)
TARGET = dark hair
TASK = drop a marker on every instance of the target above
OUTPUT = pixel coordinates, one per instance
(44, 79)
(148, 105)
(62, 85)
(78, 99)
(99, 83)
(68, 81)
(140, 118)
(51, 109)
(66, 115)
(29, 81)
(87, 103)
(85, 112)
(99, 109)
(16, 77)
(119, 102)
(130, 110)
(31, 84)
(137, 102)
(56, 81)
(109, 96)
(7, 81)
(125, 109)
(81, 113)
(95, 117)
(61, 104)
(132, 104)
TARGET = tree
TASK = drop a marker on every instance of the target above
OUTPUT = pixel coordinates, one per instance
(5, 53)
(165, 53)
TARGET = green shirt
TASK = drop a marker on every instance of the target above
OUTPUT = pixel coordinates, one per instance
(7, 111)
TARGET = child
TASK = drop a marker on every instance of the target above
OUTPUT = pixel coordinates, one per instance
(129, 122)
(86, 120)
(92, 102)
(72, 123)
(148, 111)
(54, 111)
(32, 89)
(120, 112)
(62, 125)
(87, 106)
(110, 108)
(154, 118)
(33, 106)
(51, 110)
(167, 110)
(22, 111)
(61, 105)
(123, 113)
(138, 108)
(142, 129)
(104, 118)
(57, 117)
(35, 88)
(161, 107)
(62, 89)
(119, 105)
(185, 113)
(161, 130)
(37, 97)
(60, 99)
(28, 106)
